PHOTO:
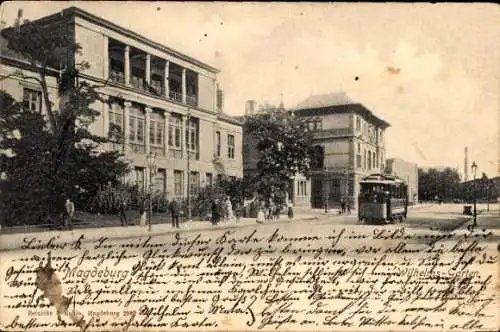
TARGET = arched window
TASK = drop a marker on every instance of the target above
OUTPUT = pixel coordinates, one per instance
(369, 159)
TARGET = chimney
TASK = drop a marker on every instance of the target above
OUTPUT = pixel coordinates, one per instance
(220, 99)
(250, 107)
(18, 22)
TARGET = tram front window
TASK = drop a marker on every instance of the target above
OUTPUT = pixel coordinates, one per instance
(372, 192)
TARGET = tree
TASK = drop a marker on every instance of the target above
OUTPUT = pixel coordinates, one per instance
(443, 184)
(284, 146)
(56, 155)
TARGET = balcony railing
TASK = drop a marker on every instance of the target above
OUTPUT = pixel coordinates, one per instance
(156, 88)
(173, 95)
(192, 100)
(157, 149)
(194, 155)
(174, 153)
(137, 148)
(137, 82)
(117, 77)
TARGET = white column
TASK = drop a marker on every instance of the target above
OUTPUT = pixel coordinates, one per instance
(126, 125)
(127, 65)
(183, 136)
(166, 118)
(147, 128)
(184, 85)
(165, 79)
(148, 68)
(105, 58)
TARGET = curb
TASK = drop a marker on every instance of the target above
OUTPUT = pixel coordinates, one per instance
(135, 231)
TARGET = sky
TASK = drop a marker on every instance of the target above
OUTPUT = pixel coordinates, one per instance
(431, 71)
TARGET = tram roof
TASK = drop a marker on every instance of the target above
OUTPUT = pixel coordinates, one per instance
(381, 178)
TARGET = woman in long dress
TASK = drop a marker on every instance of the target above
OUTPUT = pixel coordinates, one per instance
(229, 209)
(260, 213)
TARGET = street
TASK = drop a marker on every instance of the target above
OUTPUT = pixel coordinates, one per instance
(276, 275)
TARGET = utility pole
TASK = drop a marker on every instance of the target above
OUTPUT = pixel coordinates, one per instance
(188, 164)
(152, 171)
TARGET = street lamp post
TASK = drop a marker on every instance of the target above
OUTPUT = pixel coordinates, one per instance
(151, 160)
(188, 164)
(325, 189)
(346, 186)
(474, 169)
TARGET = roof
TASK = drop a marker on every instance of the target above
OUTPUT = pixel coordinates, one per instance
(335, 103)
(325, 100)
(228, 118)
(381, 178)
(74, 12)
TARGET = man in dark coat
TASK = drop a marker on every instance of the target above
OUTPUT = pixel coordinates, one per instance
(123, 213)
(174, 212)
(215, 212)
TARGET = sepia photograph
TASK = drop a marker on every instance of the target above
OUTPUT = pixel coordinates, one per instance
(249, 166)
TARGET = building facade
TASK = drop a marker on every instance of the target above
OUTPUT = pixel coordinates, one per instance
(408, 172)
(159, 101)
(351, 140)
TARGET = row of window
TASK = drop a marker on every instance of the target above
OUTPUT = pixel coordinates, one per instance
(314, 124)
(301, 188)
(160, 181)
(231, 145)
(369, 161)
(157, 128)
(368, 130)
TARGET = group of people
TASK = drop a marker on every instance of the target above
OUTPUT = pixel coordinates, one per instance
(345, 207)
(223, 210)
(269, 210)
(64, 218)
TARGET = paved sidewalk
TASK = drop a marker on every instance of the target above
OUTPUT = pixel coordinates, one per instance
(17, 240)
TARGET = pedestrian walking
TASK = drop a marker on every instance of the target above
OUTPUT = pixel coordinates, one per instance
(260, 213)
(228, 207)
(290, 210)
(237, 211)
(348, 208)
(123, 213)
(174, 212)
(342, 206)
(270, 213)
(143, 213)
(215, 212)
(69, 209)
(277, 211)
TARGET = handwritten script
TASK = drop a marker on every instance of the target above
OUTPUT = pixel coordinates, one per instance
(266, 278)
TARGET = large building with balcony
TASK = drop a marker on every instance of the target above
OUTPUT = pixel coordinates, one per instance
(350, 138)
(159, 101)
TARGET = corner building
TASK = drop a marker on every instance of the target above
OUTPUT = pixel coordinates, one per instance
(351, 140)
(160, 102)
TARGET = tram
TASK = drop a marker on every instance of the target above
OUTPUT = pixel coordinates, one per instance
(382, 199)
